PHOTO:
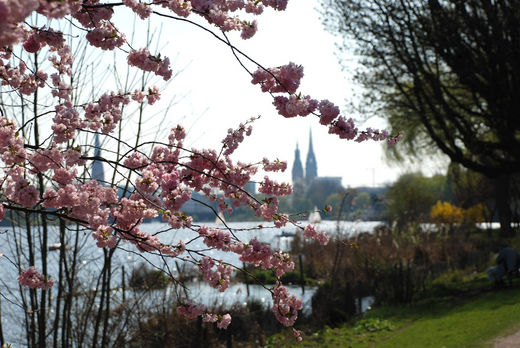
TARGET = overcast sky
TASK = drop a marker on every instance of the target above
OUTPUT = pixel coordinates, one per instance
(214, 93)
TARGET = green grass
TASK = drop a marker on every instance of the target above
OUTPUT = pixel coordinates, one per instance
(464, 316)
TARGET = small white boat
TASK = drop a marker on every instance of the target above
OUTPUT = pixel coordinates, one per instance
(314, 216)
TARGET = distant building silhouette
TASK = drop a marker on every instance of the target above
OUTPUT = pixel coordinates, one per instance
(97, 166)
(311, 167)
(311, 185)
(297, 169)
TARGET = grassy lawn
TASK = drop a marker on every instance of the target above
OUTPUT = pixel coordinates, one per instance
(466, 315)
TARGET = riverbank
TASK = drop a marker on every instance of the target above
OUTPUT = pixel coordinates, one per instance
(470, 314)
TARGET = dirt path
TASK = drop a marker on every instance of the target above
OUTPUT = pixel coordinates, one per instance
(511, 341)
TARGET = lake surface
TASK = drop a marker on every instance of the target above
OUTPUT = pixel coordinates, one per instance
(90, 260)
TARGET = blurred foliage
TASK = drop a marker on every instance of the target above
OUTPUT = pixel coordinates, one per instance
(373, 325)
(144, 278)
(410, 198)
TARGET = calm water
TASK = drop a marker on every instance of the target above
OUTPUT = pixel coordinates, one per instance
(90, 260)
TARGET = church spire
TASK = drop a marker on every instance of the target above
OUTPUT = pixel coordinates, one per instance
(97, 166)
(311, 167)
(297, 169)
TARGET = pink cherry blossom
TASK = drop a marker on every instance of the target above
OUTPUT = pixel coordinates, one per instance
(274, 166)
(105, 37)
(142, 9)
(328, 112)
(248, 30)
(270, 187)
(282, 79)
(218, 279)
(190, 310)
(294, 105)
(310, 232)
(235, 137)
(285, 305)
(224, 321)
(144, 60)
(104, 236)
(32, 278)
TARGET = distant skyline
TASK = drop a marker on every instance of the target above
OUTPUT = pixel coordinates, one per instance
(216, 94)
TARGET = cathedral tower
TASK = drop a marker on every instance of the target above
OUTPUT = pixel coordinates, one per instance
(97, 166)
(297, 169)
(311, 167)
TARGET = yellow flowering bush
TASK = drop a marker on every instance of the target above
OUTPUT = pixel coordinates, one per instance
(446, 213)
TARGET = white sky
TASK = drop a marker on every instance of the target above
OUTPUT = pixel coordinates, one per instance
(217, 94)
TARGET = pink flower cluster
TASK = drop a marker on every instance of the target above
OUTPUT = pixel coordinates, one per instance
(206, 170)
(173, 194)
(279, 5)
(294, 105)
(129, 215)
(54, 158)
(17, 78)
(103, 34)
(298, 335)
(179, 7)
(91, 15)
(152, 96)
(105, 114)
(274, 166)
(217, 12)
(106, 37)
(143, 10)
(249, 29)
(105, 237)
(131, 211)
(136, 161)
(66, 123)
(261, 255)
(177, 135)
(62, 62)
(286, 79)
(216, 238)
(12, 13)
(87, 202)
(309, 231)
(41, 37)
(279, 80)
(269, 209)
(218, 279)
(270, 187)
(190, 310)
(345, 129)
(285, 306)
(235, 137)
(222, 321)
(11, 145)
(145, 61)
(22, 193)
(58, 9)
(328, 112)
(32, 278)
